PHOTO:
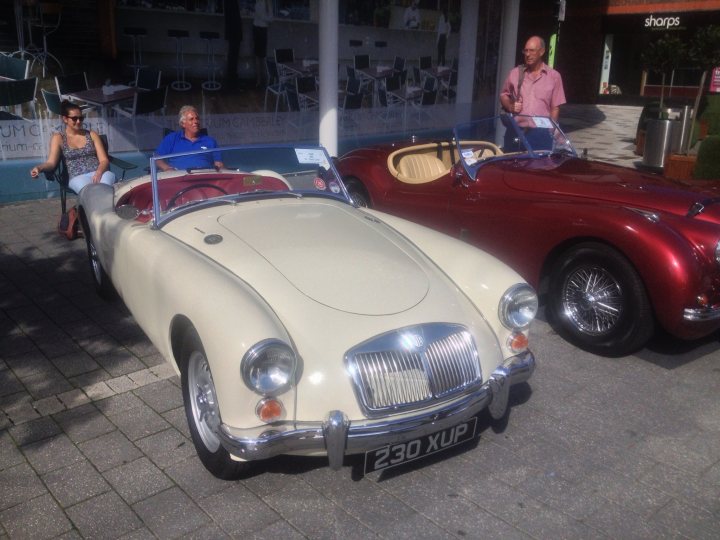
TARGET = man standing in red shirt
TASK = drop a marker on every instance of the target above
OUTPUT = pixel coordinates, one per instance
(533, 88)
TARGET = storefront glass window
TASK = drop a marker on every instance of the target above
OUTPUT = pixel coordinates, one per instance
(292, 9)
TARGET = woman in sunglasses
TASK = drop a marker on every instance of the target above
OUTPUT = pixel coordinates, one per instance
(85, 156)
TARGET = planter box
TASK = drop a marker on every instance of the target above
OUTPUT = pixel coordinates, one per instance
(680, 166)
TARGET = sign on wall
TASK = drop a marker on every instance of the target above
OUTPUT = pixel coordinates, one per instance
(715, 80)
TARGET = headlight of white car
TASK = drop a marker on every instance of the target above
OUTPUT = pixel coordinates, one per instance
(518, 307)
(268, 368)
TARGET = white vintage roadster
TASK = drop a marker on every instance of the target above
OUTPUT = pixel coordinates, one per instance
(301, 324)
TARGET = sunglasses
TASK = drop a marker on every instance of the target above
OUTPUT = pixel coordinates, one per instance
(75, 118)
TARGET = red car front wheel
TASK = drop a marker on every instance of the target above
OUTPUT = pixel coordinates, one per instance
(598, 302)
(358, 193)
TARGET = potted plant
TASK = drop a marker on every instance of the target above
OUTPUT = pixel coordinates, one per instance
(708, 159)
(704, 52)
(664, 55)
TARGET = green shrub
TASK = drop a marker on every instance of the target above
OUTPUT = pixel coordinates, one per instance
(707, 166)
(711, 114)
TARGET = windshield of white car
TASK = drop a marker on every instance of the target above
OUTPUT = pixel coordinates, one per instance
(236, 174)
(506, 136)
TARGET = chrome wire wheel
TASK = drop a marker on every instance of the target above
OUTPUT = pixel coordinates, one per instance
(359, 199)
(203, 401)
(593, 300)
(357, 193)
(95, 262)
(597, 300)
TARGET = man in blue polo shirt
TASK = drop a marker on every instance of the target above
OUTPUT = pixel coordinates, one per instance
(187, 139)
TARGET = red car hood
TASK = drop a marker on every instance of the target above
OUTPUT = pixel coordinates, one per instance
(585, 179)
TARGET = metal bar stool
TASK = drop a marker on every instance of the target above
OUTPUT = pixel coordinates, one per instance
(136, 34)
(179, 84)
(49, 14)
(210, 83)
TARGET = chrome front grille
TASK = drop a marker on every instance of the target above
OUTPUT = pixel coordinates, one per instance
(410, 367)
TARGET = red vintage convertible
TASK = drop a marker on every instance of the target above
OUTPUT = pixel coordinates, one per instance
(616, 251)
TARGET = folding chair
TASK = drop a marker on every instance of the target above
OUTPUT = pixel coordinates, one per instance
(52, 102)
(15, 94)
(147, 78)
(60, 174)
(284, 56)
(14, 68)
(70, 83)
(275, 84)
(361, 61)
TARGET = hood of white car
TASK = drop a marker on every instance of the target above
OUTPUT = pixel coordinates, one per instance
(333, 254)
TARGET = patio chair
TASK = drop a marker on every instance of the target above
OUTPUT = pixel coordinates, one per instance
(303, 86)
(14, 68)
(145, 102)
(52, 102)
(361, 61)
(399, 64)
(276, 83)
(60, 174)
(147, 78)
(448, 87)
(15, 94)
(70, 83)
(284, 56)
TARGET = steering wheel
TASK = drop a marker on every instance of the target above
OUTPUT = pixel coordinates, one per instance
(480, 153)
(183, 191)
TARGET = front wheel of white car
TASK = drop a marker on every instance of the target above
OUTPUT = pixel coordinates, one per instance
(203, 411)
(103, 285)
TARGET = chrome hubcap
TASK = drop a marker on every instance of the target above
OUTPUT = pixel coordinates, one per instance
(358, 199)
(203, 401)
(94, 262)
(592, 299)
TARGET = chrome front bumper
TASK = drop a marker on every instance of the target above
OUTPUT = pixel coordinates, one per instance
(338, 437)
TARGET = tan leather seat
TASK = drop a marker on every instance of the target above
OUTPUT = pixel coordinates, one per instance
(419, 168)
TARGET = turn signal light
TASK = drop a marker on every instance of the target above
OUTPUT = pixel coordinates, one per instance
(517, 342)
(703, 300)
(270, 409)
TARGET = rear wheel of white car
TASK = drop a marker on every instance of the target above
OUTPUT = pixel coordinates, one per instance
(598, 302)
(358, 193)
(203, 411)
(103, 285)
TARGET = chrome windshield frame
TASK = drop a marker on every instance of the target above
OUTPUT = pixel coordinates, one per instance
(160, 217)
(492, 126)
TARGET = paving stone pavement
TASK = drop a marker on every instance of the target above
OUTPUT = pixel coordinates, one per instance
(94, 443)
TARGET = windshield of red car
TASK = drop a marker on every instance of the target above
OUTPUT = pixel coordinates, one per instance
(506, 136)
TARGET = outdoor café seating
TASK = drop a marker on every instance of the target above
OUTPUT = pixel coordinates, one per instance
(16, 97)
